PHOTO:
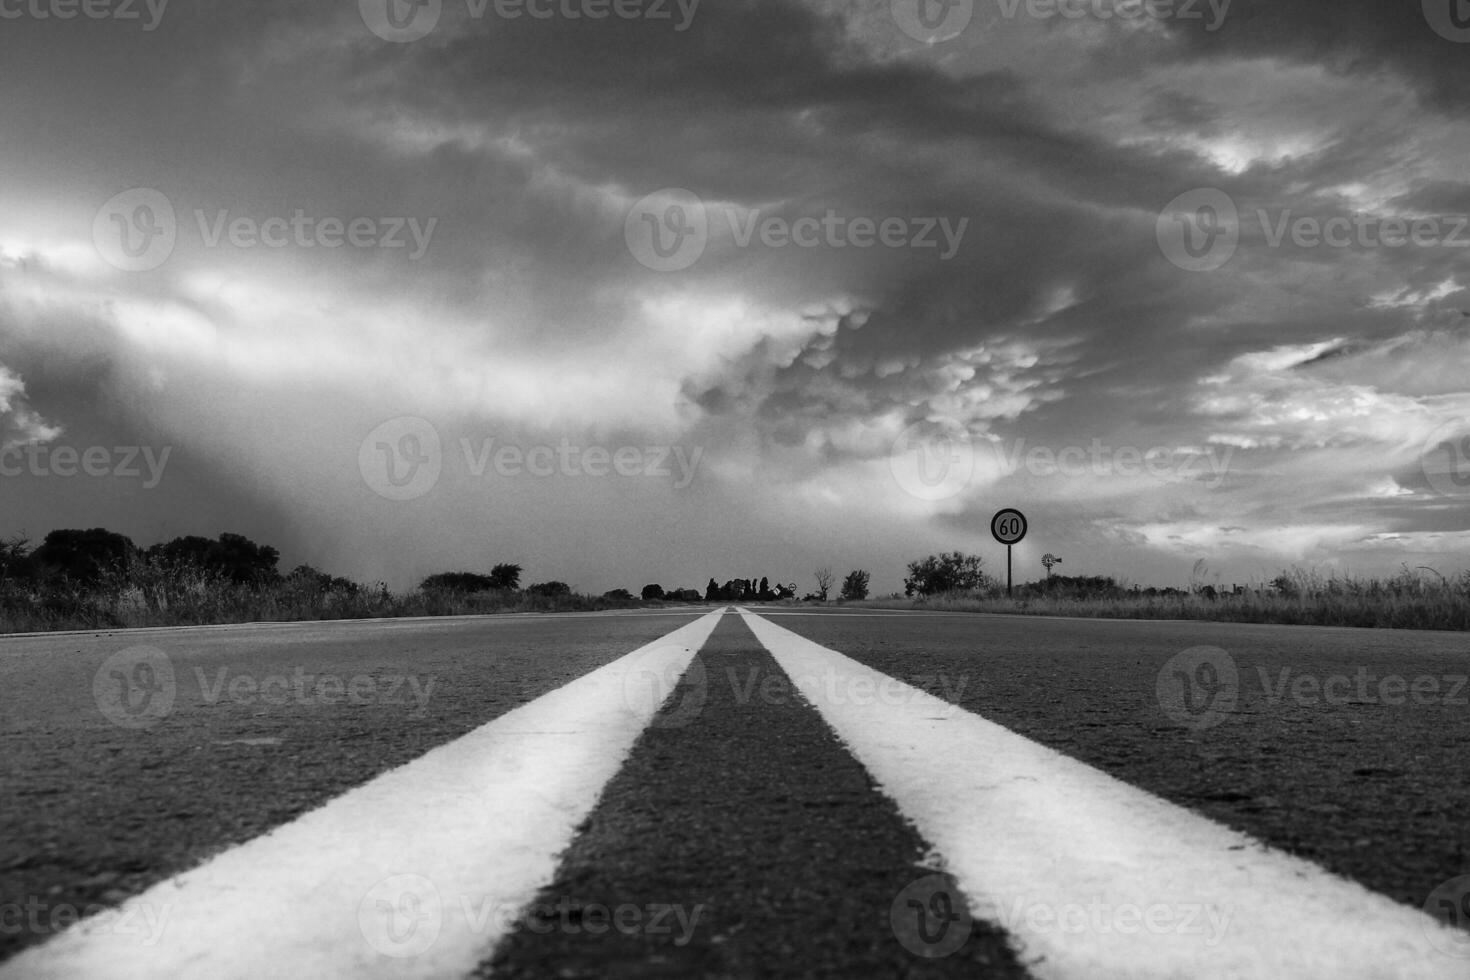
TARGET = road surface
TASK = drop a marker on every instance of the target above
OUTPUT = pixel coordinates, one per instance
(723, 792)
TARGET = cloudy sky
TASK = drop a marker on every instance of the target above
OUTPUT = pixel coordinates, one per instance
(643, 291)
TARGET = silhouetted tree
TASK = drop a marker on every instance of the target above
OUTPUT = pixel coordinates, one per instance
(457, 582)
(232, 555)
(304, 576)
(952, 572)
(82, 556)
(654, 591)
(855, 586)
(550, 589)
(16, 561)
(824, 582)
(619, 594)
(505, 576)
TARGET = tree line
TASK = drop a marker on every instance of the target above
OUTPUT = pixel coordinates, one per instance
(85, 558)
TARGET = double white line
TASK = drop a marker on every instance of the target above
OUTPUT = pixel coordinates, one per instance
(1094, 879)
(407, 876)
(403, 876)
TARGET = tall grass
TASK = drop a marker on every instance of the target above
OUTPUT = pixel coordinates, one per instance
(1408, 600)
(155, 594)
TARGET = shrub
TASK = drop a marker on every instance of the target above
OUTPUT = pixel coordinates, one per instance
(457, 582)
(952, 572)
(855, 586)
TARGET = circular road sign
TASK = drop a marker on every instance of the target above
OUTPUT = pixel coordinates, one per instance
(1008, 526)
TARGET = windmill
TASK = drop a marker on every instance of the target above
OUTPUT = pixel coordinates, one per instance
(1049, 560)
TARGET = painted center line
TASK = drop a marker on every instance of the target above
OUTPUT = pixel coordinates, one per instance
(1092, 878)
(417, 873)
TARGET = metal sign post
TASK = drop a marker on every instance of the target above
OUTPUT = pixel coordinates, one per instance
(1008, 526)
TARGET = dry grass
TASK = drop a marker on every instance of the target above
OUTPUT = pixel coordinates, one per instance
(152, 596)
(1410, 600)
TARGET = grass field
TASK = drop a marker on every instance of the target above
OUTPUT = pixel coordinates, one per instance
(190, 597)
(1410, 600)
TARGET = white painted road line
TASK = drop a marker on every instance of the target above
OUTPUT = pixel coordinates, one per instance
(415, 874)
(1092, 878)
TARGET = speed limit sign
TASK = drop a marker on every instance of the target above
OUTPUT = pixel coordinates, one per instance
(1008, 526)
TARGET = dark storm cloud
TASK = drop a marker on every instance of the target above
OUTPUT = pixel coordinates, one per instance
(1353, 37)
(1057, 319)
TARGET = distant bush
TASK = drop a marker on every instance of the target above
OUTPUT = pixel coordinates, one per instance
(549, 590)
(232, 555)
(457, 582)
(1408, 600)
(505, 576)
(1073, 587)
(82, 556)
(938, 574)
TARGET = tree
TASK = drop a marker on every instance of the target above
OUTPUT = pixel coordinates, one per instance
(823, 576)
(16, 560)
(622, 595)
(83, 556)
(952, 572)
(304, 576)
(245, 561)
(1049, 560)
(712, 592)
(549, 589)
(506, 576)
(785, 591)
(855, 586)
(232, 555)
(653, 591)
(457, 582)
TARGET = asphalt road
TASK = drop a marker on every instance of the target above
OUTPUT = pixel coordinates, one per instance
(1333, 772)
(92, 811)
(738, 823)
(739, 808)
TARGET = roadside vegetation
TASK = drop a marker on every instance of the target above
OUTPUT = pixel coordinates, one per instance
(1413, 599)
(98, 579)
